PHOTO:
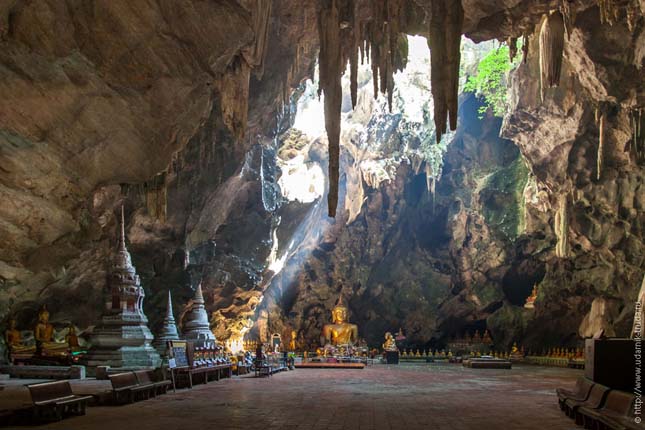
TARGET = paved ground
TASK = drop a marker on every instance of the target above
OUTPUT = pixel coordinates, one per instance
(439, 396)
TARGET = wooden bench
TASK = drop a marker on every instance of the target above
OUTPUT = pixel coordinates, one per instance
(616, 413)
(595, 400)
(204, 374)
(579, 394)
(146, 377)
(54, 400)
(127, 389)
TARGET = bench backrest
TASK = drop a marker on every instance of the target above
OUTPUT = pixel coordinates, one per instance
(144, 376)
(122, 380)
(49, 391)
(583, 387)
(619, 402)
(596, 396)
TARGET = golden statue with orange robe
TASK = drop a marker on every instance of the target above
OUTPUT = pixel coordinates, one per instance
(44, 334)
(340, 332)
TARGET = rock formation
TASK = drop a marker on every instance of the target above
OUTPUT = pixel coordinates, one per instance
(180, 109)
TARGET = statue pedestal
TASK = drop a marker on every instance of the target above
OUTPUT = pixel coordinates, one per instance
(392, 357)
(611, 362)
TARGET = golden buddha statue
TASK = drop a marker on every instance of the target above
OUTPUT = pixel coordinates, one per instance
(292, 342)
(339, 332)
(71, 338)
(13, 340)
(530, 300)
(486, 339)
(44, 335)
(390, 343)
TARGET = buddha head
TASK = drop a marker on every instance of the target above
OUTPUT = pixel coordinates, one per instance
(43, 315)
(339, 312)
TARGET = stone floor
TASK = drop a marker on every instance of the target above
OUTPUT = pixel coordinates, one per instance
(378, 397)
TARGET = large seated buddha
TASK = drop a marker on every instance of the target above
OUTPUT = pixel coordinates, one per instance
(44, 334)
(339, 332)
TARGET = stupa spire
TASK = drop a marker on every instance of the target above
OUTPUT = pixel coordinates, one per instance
(196, 326)
(122, 337)
(122, 237)
(169, 315)
(199, 295)
(168, 331)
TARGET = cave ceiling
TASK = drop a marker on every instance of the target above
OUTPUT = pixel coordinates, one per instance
(174, 110)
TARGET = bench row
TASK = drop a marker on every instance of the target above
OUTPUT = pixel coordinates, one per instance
(595, 406)
(128, 387)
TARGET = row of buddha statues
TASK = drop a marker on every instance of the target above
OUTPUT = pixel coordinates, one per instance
(468, 340)
(568, 353)
(43, 342)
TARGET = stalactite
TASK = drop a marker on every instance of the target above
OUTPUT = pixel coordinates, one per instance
(512, 47)
(261, 15)
(561, 227)
(600, 118)
(156, 197)
(345, 38)
(525, 49)
(551, 50)
(608, 11)
(568, 15)
(331, 69)
(234, 96)
(445, 42)
(637, 122)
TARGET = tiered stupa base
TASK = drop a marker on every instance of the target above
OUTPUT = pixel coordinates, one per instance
(124, 346)
(125, 357)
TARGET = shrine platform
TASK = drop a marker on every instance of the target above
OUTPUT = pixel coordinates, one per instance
(324, 365)
(487, 363)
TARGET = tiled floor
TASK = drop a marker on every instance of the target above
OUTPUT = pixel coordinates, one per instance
(379, 397)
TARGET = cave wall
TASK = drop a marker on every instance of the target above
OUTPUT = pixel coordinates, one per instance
(103, 103)
(602, 263)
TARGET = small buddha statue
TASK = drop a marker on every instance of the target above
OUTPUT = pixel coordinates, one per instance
(44, 335)
(487, 339)
(339, 332)
(477, 337)
(390, 343)
(399, 335)
(13, 339)
(12, 335)
(71, 338)
(530, 300)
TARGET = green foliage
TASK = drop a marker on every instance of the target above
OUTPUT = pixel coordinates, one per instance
(502, 199)
(490, 81)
